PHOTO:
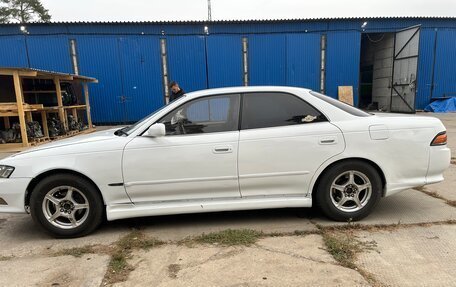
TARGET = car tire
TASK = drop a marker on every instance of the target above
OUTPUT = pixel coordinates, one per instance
(349, 190)
(66, 206)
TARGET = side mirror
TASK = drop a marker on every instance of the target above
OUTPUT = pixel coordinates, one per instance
(156, 130)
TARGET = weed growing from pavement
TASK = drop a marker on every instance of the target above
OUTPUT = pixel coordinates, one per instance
(344, 247)
(118, 268)
(229, 237)
(76, 251)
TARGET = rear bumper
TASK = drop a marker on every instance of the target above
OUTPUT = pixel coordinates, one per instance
(439, 161)
(12, 194)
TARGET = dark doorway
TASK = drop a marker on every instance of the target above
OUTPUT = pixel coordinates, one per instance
(376, 69)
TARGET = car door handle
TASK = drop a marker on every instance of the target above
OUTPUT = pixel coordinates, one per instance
(327, 140)
(223, 149)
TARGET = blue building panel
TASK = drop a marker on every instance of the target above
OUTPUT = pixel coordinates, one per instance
(224, 60)
(99, 58)
(141, 76)
(303, 60)
(425, 68)
(267, 59)
(187, 61)
(13, 51)
(50, 53)
(445, 64)
(342, 62)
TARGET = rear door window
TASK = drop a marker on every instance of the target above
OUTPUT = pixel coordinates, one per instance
(263, 110)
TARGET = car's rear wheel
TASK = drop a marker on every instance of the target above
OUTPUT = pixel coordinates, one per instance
(349, 190)
(66, 205)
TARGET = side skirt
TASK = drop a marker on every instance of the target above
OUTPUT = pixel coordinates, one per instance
(199, 206)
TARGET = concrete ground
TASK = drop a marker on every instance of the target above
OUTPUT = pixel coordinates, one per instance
(407, 241)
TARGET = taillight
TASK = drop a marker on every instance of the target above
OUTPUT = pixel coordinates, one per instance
(440, 139)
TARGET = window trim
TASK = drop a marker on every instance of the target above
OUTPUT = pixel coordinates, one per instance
(277, 92)
(195, 99)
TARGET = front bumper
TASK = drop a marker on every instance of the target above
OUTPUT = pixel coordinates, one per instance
(12, 194)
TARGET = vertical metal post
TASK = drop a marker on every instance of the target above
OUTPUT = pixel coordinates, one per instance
(245, 61)
(74, 56)
(323, 64)
(164, 58)
(209, 10)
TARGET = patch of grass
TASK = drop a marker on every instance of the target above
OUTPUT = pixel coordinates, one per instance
(137, 240)
(5, 258)
(344, 247)
(76, 251)
(230, 237)
(118, 268)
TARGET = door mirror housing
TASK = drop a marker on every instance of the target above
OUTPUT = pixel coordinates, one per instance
(156, 130)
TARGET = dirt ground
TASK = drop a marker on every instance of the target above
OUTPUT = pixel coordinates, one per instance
(407, 241)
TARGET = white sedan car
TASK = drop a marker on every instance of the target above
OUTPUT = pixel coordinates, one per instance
(227, 149)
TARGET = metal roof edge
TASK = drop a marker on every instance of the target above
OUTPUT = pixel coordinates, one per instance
(239, 21)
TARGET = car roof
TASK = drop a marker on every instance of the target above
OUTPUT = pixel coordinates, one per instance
(250, 89)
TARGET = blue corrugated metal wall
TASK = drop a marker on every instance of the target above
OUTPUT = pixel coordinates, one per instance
(126, 57)
(445, 64)
(13, 51)
(187, 61)
(303, 60)
(224, 60)
(425, 66)
(99, 57)
(342, 62)
(141, 75)
(50, 53)
(267, 59)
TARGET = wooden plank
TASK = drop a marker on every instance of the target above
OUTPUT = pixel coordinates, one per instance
(346, 94)
(75, 114)
(75, 107)
(6, 121)
(28, 116)
(12, 72)
(60, 103)
(45, 126)
(87, 103)
(20, 107)
(8, 114)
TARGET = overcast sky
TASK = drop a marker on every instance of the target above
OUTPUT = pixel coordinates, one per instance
(155, 10)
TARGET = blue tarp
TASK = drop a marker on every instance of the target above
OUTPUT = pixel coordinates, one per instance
(442, 106)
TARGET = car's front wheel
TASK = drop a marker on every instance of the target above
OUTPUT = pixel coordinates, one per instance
(349, 190)
(66, 205)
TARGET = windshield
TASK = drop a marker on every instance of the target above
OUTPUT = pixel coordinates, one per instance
(341, 105)
(129, 129)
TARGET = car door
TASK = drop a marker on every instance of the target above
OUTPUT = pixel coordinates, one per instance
(283, 140)
(195, 160)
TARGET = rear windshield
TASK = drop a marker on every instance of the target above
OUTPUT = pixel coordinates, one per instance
(341, 105)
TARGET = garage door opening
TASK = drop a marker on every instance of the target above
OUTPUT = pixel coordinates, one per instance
(376, 69)
(388, 70)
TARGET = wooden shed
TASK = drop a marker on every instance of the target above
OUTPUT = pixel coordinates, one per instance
(30, 99)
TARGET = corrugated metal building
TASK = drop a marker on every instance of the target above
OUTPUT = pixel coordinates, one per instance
(389, 67)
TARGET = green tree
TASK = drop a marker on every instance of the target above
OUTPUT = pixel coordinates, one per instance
(23, 11)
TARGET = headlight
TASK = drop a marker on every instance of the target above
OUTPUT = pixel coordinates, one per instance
(6, 171)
